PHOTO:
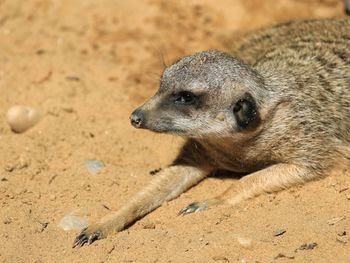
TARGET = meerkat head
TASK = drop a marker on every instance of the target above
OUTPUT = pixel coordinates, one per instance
(206, 94)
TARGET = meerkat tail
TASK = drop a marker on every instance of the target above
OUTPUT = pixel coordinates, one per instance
(168, 184)
(271, 179)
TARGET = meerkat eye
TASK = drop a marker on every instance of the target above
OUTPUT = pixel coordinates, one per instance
(185, 98)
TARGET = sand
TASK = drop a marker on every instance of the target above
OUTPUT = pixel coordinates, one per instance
(86, 65)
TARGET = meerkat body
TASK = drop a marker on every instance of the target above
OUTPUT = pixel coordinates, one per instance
(278, 109)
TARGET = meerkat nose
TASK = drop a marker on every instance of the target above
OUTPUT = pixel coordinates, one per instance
(137, 118)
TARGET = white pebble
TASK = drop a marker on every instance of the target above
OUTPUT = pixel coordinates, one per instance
(244, 242)
(72, 221)
(21, 118)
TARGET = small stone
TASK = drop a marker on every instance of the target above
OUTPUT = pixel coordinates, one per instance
(148, 225)
(220, 259)
(342, 239)
(10, 168)
(52, 197)
(73, 78)
(23, 162)
(21, 118)
(94, 166)
(110, 248)
(283, 255)
(7, 221)
(244, 242)
(341, 233)
(75, 220)
(307, 246)
(279, 232)
(335, 220)
(40, 52)
(68, 109)
(343, 189)
(41, 226)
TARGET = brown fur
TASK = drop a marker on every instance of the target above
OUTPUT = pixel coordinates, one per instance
(293, 93)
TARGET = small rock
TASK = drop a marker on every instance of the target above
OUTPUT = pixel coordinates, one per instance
(335, 220)
(343, 189)
(279, 232)
(244, 242)
(341, 233)
(10, 168)
(106, 207)
(94, 166)
(307, 246)
(23, 162)
(41, 225)
(283, 255)
(52, 197)
(21, 118)
(220, 259)
(40, 52)
(72, 221)
(68, 109)
(7, 221)
(342, 239)
(110, 248)
(73, 78)
(148, 225)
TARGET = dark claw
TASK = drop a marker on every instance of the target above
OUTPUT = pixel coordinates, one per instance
(81, 239)
(85, 238)
(95, 236)
(193, 208)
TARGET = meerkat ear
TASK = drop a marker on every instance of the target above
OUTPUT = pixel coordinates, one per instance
(246, 112)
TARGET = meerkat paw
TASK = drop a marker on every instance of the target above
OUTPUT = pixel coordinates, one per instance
(198, 206)
(89, 235)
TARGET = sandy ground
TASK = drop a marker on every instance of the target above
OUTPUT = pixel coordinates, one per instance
(86, 65)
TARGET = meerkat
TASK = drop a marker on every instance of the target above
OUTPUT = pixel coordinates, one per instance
(276, 109)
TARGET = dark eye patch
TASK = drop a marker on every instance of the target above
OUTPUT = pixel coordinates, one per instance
(185, 98)
(246, 112)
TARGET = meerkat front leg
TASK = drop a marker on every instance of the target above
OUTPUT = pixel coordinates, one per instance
(272, 179)
(167, 185)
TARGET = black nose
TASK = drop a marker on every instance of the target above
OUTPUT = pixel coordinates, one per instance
(137, 118)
